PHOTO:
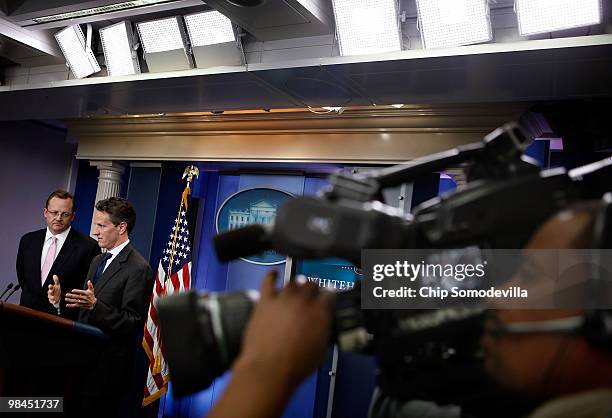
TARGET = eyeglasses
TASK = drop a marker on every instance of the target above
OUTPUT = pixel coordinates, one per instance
(63, 215)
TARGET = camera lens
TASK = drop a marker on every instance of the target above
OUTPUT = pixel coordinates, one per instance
(201, 335)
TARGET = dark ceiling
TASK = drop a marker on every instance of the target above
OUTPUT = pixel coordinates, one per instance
(508, 70)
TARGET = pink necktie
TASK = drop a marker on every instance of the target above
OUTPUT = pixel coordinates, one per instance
(44, 272)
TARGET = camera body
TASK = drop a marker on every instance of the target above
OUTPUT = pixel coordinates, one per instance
(506, 199)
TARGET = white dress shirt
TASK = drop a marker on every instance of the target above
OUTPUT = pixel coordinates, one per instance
(114, 253)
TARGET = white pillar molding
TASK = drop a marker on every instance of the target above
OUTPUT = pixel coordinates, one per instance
(109, 180)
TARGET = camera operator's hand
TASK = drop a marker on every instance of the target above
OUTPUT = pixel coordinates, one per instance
(289, 330)
(285, 341)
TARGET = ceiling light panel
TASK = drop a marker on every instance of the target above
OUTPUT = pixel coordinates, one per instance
(209, 28)
(99, 10)
(367, 26)
(117, 44)
(161, 35)
(542, 16)
(448, 23)
(80, 59)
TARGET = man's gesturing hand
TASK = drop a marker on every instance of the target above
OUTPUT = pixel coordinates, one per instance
(55, 291)
(85, 299)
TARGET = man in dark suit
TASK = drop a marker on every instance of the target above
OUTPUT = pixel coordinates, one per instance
(58, 251)
(115, 299)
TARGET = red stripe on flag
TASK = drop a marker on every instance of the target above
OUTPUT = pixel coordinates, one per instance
(175, 282)
(159, 381)
(153, 314)
(158, 285)
(148, 339)
(186, 277)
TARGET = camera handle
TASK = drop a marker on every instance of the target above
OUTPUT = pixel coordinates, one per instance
(498, 155)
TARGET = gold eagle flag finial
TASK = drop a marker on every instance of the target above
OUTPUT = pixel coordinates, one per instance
(190, 172)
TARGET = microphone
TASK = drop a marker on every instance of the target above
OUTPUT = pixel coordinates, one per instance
(9, 287)
(306, 227)
(16, 288)
(241, 242)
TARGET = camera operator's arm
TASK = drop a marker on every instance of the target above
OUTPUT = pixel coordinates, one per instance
(284, 342)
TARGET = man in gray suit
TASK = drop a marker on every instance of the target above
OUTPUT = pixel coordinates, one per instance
(115, 299)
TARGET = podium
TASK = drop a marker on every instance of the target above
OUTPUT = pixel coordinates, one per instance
(42, 354)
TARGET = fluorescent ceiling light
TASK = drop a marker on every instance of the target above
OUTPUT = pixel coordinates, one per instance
(541, 16)
(209, 28)
(164, 43)
(367, 26)
(161, 35)
(79, 56)
(117, 44)
(99, 10)
(448, 23)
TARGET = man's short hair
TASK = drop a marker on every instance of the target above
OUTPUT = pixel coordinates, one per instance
(61, 194)
(119, 210)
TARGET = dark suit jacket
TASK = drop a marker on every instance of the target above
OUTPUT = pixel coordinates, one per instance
(71, 266)
(123, 294)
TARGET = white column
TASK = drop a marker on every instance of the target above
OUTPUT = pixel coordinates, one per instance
(109, 180)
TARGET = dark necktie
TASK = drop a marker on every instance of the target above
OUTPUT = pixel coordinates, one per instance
(100, 269)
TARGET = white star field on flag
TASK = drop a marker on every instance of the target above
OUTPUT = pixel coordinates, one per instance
(182, 251)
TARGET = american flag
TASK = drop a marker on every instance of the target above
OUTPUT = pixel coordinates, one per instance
(173, 275)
